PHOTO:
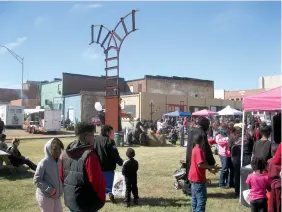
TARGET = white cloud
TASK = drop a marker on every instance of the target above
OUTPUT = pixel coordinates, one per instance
(84, 7)
(13, 45)
(91, 53)
(39, 20)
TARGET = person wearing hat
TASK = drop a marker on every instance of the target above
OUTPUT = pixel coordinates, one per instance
(129, 171)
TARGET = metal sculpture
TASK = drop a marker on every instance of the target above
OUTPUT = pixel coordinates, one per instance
(111, 44)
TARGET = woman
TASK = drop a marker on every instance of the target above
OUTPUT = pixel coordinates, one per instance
(226, 174)
(235, 145)
(47, 178)
(16, 157)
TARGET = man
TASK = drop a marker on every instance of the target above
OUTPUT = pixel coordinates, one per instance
(203, 127)
(80, 172)
(2, 126)
(109, 157)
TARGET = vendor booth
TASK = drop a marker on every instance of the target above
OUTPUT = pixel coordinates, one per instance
(178, 113)
(205, 113)
(266, 101)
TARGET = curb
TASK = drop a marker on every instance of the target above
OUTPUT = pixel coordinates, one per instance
(42, 137)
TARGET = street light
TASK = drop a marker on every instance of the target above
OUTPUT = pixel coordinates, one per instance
(21, 61)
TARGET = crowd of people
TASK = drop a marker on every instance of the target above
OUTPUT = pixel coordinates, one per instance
(259, 150)
(84, 173)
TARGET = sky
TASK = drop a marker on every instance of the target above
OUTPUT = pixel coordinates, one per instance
(231, 43)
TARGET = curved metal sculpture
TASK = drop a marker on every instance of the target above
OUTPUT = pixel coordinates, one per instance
(112, 43)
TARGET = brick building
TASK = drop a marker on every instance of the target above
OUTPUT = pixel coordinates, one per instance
(236, 95)
(173, 86)
(53, 93)
(30, 91)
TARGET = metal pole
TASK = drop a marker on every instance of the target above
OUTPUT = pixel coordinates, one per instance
(242, 156)
(22, 93)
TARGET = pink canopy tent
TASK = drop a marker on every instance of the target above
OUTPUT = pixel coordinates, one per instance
(204, 112)
(268, 100)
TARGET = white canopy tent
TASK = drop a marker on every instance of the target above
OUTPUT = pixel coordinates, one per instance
(229, 111)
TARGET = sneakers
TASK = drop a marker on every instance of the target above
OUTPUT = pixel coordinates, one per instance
(112, 198)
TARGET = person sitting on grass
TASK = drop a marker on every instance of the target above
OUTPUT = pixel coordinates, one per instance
(258, 183)
(129, 171)
(197, 174)
(16, 157)
(46, 178)
(3, 145)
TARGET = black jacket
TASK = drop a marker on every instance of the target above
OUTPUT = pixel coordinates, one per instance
(15, 155)
(129, 169)
(79, 194)
(107, 152)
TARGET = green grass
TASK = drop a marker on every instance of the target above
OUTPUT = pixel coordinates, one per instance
(155, 182)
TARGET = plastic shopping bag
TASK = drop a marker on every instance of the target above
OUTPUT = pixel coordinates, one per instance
(119, 185)
(246, 194)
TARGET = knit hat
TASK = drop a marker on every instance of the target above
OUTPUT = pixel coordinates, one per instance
(130, 153)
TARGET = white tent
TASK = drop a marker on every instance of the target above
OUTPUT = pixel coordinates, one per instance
(229, 111)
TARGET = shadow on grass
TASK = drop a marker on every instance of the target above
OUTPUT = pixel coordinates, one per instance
(229, 195)
(163, 202)
(24, 174)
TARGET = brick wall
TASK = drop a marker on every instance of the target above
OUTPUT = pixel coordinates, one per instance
(27, 103)
(240, 94)
(181, 87)
(74, 83)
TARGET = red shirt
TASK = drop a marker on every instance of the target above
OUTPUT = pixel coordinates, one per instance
(94, 173)
(197, 174)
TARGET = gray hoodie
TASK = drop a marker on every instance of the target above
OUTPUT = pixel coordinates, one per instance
(47, 175)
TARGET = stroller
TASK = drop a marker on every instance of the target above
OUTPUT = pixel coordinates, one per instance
(180, 176)
(181, 179)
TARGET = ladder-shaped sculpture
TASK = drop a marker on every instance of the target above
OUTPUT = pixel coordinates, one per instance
(111, 44)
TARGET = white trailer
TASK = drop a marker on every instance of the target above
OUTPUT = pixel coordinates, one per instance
(43, 120)
(12, 115)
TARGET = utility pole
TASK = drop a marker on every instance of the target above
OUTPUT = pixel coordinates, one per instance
(151, 113)
(21, 61)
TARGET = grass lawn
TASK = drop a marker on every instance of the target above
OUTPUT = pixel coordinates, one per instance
(155, 182)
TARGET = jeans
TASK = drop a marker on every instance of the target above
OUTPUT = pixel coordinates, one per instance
(199, 196)
(109, 178)
(227, 172)
(259, 205)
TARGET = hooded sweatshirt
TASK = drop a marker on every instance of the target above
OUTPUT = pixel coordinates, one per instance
(47, 175)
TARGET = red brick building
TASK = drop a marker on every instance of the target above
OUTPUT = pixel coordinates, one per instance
(240, 94)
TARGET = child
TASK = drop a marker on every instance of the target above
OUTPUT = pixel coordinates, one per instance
(47, 178)
(129, 171)
(258, 183)
(197, 174)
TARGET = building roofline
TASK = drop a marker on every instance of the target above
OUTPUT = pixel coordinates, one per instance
(50, 82)
(176, 78)
(135, 80)
(83, 75)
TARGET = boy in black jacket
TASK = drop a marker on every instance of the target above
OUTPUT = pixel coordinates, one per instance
(129, 171)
